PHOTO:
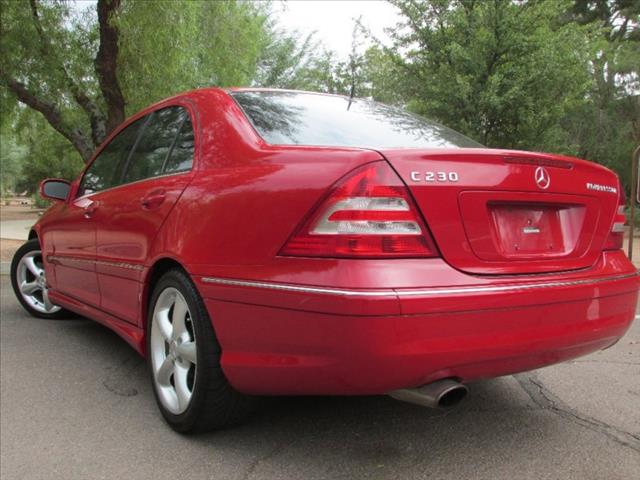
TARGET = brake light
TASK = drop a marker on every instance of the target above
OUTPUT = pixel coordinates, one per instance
(616, 237)
(367, 214)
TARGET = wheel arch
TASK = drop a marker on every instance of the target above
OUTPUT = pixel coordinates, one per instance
(32, 234)
(157, 269)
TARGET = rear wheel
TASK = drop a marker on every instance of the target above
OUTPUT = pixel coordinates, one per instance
(184, 360)
(29, 282)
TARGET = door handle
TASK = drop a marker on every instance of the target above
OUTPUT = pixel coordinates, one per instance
(154, 199)
(90, 209)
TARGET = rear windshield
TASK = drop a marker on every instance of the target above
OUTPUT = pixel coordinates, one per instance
(295, 118)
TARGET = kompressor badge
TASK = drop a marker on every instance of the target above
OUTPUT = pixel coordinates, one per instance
(601, 188)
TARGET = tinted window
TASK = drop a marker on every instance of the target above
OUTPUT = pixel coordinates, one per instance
(155, 144)
(181, 156)
(294, 118)
(106, 169)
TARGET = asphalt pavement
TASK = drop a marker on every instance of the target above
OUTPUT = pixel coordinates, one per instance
(76, 403)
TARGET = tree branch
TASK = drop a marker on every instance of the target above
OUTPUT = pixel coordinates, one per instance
(96, 117)
(106, 63)
(51, 113)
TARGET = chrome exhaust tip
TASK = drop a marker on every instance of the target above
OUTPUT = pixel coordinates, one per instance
(443, 394)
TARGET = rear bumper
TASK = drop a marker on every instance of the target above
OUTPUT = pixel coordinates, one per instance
(295, 339)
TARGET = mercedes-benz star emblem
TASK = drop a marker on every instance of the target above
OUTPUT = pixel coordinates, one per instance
(542, 178)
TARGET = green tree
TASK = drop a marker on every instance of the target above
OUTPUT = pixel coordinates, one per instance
(169, 47)
(84, 72)
(43, 152)
(300, 63)
(49, 63)
(385, 79)
(605, 127)
(319, 75)
(11, 154)
(502, 72)
(286, 58)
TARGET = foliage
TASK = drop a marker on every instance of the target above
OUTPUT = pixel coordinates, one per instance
(546, 75)
(45, 64)
(11, 155)
(39, 202)
(501, 72)
(207, 44)
(85, 71)
(320, 72)
(384, 77)
(285, 59)
(46, 154)
(605, 127)
(549, 75)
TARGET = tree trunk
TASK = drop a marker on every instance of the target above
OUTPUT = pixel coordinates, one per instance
(91, 109)
(106, 64)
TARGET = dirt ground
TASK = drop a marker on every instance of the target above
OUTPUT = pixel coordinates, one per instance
(15, 211)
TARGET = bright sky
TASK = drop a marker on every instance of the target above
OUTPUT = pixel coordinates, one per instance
(333, 19)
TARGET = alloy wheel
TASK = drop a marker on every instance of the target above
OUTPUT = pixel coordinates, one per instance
(173, 351)
(32, 283)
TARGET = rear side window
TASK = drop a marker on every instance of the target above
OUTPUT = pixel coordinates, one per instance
(296, 118)
(156, 144)
(106, 169)
(181, 156)
(159, 145)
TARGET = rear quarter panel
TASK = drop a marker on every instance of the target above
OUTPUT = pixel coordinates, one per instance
(247, 197)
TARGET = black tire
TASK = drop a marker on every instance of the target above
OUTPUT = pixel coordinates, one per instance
(214, 404)
(29, 247)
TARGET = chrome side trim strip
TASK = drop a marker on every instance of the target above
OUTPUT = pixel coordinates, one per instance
(416, 292)
(300, 288)
(56, 259)
(60, 259)
(129, 266)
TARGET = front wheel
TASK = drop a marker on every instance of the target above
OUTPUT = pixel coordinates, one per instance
(184, 360)
(29, 282)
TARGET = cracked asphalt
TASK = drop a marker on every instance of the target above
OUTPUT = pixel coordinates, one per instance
(76, 403)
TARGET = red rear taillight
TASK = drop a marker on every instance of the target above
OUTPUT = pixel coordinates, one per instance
(616, 237)
(367, 214)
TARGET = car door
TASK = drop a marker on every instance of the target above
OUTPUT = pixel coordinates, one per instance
(129, 217)
(73, 252)
(74, 232)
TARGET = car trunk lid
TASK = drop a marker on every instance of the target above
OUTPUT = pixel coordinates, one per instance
(511, 212)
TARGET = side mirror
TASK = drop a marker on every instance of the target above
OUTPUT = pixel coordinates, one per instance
(54, 189)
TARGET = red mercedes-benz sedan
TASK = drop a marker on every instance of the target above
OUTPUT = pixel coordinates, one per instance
(266, 242)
